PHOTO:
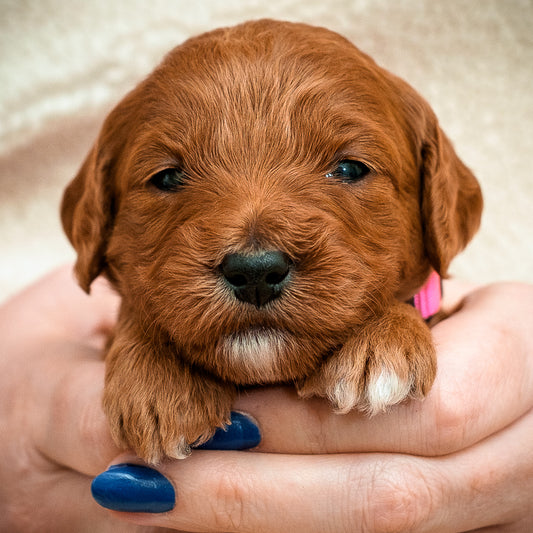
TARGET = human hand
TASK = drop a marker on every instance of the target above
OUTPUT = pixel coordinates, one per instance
(458, 461)
(53, 436)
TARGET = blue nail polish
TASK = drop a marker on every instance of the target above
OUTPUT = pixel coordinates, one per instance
(133, 488)
(242, 434)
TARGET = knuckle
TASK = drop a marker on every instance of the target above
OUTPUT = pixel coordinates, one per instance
(17, 513)
(14, 518)
(457, 405)
(232, 493)
(398, 499)
(450, 421)
(89, 423)
(93, 432)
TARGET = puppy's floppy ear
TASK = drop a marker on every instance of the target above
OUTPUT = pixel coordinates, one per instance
(87, 215)
(91, 200)
(451, 197)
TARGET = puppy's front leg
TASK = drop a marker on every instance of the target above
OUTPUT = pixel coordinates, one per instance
(390, 359)
(156, 404)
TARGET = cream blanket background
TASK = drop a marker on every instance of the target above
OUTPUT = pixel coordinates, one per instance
(64, 63)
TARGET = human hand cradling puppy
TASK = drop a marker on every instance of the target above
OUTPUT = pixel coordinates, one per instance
(459, 461)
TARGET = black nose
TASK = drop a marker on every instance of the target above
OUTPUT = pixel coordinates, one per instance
(256, 279)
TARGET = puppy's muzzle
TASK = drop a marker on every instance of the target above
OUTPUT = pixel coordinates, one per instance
(256, 279)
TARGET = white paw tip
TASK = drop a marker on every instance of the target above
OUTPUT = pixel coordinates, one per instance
(385, 389)
(344, 397)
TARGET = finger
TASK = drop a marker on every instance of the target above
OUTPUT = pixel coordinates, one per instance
(236, 491)
(62, 380)
(232, 491)
(70, 428)
(90, 317)
(490, 484)
(79, 512)
(56, 305)
(83, 316)
(484, 382)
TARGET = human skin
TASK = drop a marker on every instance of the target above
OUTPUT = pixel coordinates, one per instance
(459, 460)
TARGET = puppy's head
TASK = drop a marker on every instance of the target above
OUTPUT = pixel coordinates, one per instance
(262, 193)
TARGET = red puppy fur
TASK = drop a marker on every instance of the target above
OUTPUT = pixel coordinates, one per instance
(275, 148)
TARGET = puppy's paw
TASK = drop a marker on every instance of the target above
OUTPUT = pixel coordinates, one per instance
(161, 417)
(387, 362)
(340, 379)
(385, 387)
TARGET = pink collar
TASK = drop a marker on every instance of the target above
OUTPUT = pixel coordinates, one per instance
(427, 300)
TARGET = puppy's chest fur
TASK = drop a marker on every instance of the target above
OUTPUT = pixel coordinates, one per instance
(265, 202)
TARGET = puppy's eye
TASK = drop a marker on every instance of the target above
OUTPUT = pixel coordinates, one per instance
(169, 179)
(349, 171)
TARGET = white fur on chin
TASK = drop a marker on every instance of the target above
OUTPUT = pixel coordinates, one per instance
(260, 350)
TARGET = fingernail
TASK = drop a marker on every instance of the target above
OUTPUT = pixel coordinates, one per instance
(133, 488)
(241, 434)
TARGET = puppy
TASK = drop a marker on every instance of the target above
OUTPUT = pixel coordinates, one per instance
(267, 203)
